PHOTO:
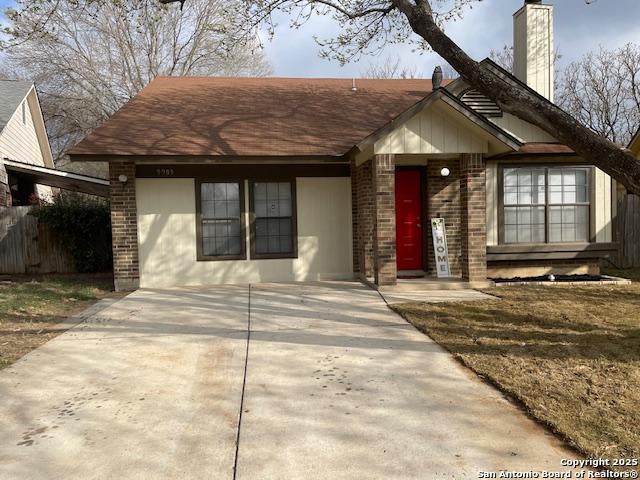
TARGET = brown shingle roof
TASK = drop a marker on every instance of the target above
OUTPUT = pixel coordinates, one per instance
(251, 116)
(540, 148)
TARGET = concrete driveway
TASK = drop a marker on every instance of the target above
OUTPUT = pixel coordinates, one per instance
(159, 385)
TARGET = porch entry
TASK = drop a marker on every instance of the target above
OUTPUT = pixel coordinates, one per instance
(409, 233)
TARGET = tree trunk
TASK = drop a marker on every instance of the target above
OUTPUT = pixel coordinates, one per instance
(524, 104)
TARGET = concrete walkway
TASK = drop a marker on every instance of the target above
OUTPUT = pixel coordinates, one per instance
(337, 386)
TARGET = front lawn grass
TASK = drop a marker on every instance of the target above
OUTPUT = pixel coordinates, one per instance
(31, 309)
(569, 354)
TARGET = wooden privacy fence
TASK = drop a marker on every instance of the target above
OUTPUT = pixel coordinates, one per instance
(629, 231)
(29, 247)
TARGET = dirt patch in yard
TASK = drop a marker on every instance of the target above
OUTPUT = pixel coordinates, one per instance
(569, 354)
(32, 308)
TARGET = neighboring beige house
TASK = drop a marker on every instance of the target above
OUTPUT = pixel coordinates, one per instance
(634, 146)
(23, 138)
(27, 171)
(238, 180)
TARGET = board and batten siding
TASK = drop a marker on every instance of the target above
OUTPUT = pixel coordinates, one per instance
(603, 211)
(432, 131)
(167, 237)
(27, 141)
(19, 140)
(523, 131)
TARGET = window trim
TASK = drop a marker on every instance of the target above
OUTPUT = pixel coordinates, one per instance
(294, 219)
(200, 257)
(590, 193)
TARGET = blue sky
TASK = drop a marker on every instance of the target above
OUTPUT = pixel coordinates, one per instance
(579, 28)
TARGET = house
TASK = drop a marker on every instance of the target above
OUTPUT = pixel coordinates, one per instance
(634, 146)
(238, 180)
(23, 137)
(27, 171)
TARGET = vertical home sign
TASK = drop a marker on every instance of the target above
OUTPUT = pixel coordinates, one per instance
(440, 247)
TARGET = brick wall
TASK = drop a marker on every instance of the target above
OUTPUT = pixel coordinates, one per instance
(443, 200)
(384, 243)
(5, 193)
(473, 231)
(364, 219)
(355, 249)
(124, 226)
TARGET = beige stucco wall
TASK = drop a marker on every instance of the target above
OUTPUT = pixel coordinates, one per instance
(603, 210)
(167, 237)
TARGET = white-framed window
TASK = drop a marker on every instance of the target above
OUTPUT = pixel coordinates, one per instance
(545, 204)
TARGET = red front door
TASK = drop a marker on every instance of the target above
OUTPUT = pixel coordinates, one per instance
(408, 220)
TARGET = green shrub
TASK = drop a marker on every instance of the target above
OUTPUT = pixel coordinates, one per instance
(83, 225)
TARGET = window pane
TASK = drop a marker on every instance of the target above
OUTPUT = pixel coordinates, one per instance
(524, 177)
(581, 195)
(569, 195)
(524, 195)
(568, 233)
(285, 207)
(285, 244)
(272, 191)
(555, 194)
(524, 233)
(235, 246)
(273, 224)
(568, 177)
(524, 224)
(260, 191)
(221, 217)
(510, 195)
(582, 214)
(274, 245)
(581, 177)
(233, 208)
(538, 196)
(233, 191)
(285, 226)
(569, 215)
(260, 208)
(273, 227)
(510, 177)
(538, 233)
(220, 209)
(262, 244)
(208, 210)
(220, 191)
(569, 223)
(555, 215)
(555, 177)
(524, 216)
(537, 215)
(206, 191)
(284, 190)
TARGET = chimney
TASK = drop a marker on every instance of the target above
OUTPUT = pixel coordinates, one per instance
(533, 51)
